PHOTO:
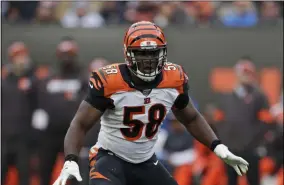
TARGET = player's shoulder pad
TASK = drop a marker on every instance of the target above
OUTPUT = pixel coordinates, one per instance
(109, 80)
(173, 77)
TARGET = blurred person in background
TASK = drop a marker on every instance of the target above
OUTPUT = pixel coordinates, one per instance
(21, 11)
(170, 13)
(274, 144)
(201, 13)
(140, 10)
(18, 103)
(112, 12)
(239, 14)
(45, 11)
(59, 95)
(271, 165)
(245, 119)
(270, 11)
(81, 15)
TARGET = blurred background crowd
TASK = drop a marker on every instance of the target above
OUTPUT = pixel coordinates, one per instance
(45, 73)
(94, 14)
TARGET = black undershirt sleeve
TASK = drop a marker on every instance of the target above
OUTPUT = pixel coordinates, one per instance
(182, 100)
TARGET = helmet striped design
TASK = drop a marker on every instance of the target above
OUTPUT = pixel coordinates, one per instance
(144, 31)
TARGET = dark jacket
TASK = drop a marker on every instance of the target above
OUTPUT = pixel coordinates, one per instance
(60, 96)
(18, 104)
(245, 119)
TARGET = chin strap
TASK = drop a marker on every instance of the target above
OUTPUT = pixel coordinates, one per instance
(146, 79)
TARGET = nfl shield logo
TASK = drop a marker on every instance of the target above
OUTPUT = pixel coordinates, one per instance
(147, 100)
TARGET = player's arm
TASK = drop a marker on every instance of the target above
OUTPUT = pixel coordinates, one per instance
(82, 122)
(89, 112)
(195, 123)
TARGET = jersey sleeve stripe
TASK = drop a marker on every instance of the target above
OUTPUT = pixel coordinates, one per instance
(101, 74)
(146, 36)
(99, 83)
(94, 83)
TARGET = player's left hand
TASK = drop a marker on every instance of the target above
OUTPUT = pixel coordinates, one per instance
(238, 163)
(70, 169)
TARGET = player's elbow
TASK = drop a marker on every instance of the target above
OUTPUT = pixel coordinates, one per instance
(191, 119)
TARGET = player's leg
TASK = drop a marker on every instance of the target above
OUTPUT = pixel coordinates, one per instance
(106, 169)
(152, 172)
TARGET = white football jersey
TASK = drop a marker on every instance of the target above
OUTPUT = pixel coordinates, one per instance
(129, 128)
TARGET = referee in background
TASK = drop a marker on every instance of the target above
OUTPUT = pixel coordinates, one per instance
(245, 119)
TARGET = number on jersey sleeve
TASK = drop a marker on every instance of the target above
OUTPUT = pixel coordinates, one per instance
(156, 115)
(170, 67)
(174, 77)
(111, 69)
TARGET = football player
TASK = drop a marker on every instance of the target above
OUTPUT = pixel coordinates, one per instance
(132, 100)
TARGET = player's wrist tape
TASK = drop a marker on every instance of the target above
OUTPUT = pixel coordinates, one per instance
(214, 144)
(72, 157)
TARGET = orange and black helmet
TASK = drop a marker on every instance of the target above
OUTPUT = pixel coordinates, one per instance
(145, 50)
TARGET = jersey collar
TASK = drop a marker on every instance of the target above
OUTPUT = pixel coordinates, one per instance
(127, 78)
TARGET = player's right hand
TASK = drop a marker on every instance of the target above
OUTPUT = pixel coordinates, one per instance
(70, 169)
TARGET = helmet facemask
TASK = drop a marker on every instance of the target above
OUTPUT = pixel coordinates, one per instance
(146, 63)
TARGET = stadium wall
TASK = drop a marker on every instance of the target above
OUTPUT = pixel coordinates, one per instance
(199, 50)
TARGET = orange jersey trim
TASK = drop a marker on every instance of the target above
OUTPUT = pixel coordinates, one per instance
(173, 77)
(112, 80)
